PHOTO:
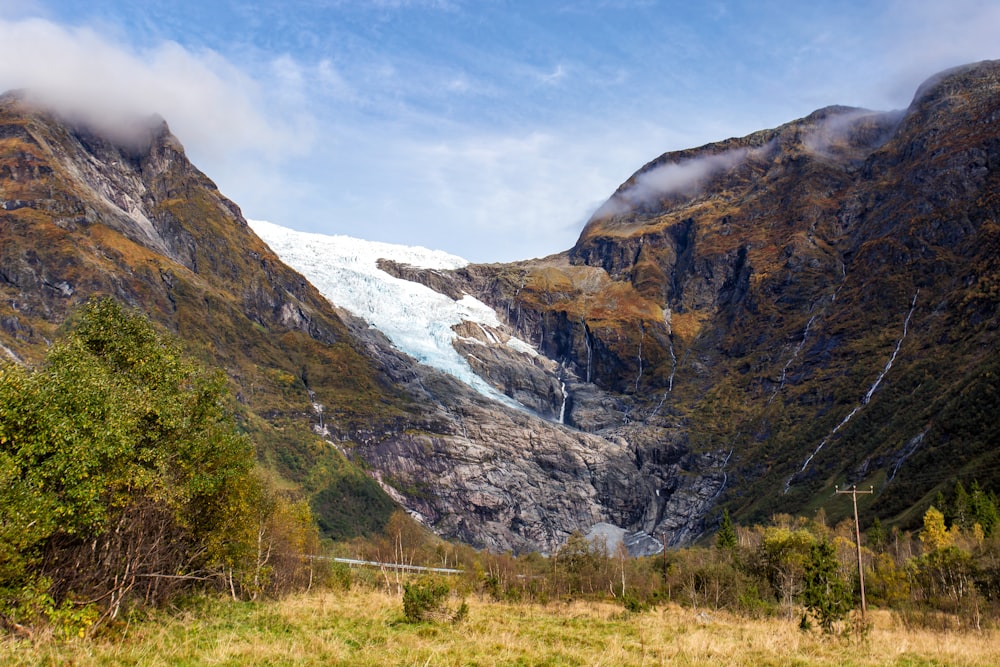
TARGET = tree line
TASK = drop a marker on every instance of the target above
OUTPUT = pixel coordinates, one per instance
(126, 481)
(946, 575)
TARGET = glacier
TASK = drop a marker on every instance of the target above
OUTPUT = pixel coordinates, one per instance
(416, 319)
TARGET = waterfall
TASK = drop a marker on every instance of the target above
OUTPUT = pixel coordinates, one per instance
(725, 475)
(667, 316)
(867, 397)
(562, 408)
(590, 350)
(658, 405)
(899, 343)
(795, 354)
(788, 482)
(642, 335)
(911, 447)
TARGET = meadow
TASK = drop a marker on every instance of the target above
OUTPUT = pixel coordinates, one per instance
(366, 626)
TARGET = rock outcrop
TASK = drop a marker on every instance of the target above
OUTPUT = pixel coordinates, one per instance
(784, 311)
(743, 324)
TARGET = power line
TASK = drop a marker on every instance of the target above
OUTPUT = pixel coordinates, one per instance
(857, 533)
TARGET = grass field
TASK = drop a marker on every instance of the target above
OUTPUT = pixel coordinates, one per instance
(366, 627)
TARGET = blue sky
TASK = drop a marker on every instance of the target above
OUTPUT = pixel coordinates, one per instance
(490, 129)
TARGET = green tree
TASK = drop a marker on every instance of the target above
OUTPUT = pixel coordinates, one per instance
(782, 557)
(124, 477)
(725, 539)
(825, 594)
(583, 567)
(876, 536)
(983, 508)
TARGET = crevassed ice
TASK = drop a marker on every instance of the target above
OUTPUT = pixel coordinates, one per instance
(414, 317)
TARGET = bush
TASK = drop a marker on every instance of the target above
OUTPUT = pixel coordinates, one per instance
(125, 481)
(427, 600)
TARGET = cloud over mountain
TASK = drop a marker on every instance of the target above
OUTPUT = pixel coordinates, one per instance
(93, 78)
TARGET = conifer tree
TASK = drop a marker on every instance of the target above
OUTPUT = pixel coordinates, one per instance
(826, 595)
(725, 539)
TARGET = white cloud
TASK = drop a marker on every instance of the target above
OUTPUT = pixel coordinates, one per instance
(558, 73)
(924, 37)
(686, 177)
(210, 103)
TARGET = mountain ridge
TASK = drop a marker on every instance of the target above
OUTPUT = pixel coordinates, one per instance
(745, 325)
(777, 292)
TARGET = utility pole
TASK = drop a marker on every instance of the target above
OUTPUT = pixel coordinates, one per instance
(857, 534)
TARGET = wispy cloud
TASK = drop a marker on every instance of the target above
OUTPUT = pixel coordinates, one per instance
(558, 73)
(829, 135)
(684, 178)
(207, 100)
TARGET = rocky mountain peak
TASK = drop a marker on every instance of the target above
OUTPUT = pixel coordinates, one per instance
(746, 324)
(979, 80)
(759, 293)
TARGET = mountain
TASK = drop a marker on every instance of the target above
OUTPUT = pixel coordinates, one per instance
(766, 317)
(334, 408)
(84, 215)
(745, 324)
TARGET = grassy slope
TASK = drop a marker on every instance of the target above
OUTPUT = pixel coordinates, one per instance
(364, 627)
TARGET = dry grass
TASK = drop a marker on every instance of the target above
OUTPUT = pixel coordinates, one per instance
(363, 627)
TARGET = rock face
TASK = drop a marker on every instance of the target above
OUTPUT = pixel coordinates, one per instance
(767, 316)
(743, 324)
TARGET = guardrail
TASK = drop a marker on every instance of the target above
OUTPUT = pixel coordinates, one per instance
(402, 567)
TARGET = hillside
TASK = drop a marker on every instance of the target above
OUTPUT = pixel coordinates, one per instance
(85, 216)
(745, 324)
(333, 408)
(780, 313)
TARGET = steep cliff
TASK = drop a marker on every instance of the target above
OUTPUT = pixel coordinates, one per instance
(743, 324)
(811, 305)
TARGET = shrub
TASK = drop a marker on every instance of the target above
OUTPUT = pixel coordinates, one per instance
(124, 479)
(427, 600)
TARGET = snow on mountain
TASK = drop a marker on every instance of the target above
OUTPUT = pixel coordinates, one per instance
(414, 317)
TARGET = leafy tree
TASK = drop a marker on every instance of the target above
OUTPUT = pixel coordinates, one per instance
(935, 535)
(782, 555)
(826, 595)
(582, 565)
(123, 478)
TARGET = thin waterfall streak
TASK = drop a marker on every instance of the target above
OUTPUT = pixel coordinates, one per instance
(673, 366)
(867, 397)
(562, 408)
(725, 475)
(642, 335)
(899, 344)
(795, 354)
(911, 447)
(667, 317)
